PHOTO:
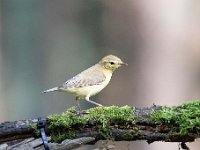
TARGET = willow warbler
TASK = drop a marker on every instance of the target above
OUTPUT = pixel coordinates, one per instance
(92, 80)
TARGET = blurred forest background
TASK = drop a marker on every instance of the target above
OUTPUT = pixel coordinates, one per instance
(44, 43)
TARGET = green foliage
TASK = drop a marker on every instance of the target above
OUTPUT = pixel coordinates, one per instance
(186, 117)
(63, 126)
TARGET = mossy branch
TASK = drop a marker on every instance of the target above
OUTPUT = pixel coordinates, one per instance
(156, 123)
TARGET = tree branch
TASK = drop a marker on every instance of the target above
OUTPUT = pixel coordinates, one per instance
(156, 123)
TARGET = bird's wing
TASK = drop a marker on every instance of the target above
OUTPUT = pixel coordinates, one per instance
(84, 80)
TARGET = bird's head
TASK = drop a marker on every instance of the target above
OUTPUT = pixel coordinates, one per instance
(111, 62)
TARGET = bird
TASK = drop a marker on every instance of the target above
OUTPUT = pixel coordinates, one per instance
(92, 80)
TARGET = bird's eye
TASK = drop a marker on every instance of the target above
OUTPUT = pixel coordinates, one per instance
(112, 63)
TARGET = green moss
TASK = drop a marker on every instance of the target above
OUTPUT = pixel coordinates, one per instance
(104, 116)
(186, 117)
(100, 117)
(65, 120)
(35, 129)
(60, 136)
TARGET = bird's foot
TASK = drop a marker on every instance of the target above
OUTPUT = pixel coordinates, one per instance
(81, 113)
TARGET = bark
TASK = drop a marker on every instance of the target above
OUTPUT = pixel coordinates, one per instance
(13, 132)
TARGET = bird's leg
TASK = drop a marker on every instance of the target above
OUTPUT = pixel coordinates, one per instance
(78, 105)
(79, 112)
(87, 99)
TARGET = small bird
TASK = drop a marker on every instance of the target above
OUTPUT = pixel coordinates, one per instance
(92, 80)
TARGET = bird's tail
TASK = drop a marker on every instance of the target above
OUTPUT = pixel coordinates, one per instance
(51, 90)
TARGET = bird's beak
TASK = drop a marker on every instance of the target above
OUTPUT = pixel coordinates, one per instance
(123, 64)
